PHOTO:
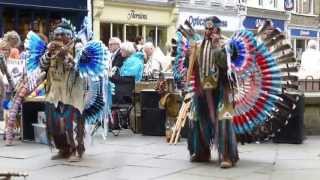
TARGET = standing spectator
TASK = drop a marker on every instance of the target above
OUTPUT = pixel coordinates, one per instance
(310, 61)
(13, 38)
(116, 57)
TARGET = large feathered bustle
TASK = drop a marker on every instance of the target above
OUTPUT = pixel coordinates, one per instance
(262, 62)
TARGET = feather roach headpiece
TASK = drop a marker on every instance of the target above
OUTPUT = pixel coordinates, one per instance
(65, 27)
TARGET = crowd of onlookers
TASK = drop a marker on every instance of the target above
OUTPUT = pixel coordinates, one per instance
(138, 59)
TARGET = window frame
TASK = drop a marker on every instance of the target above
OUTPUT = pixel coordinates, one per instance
(299, 7)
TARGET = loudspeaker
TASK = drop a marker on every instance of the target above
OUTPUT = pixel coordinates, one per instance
(30, 111)
(153, 121)
(293, 132)
(149, 99)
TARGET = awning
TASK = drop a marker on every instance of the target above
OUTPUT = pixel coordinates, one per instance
(254, 22)
(303, 33)
(71, 5)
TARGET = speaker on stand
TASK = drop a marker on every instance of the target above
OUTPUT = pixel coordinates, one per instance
(293, 132)
(152, 117)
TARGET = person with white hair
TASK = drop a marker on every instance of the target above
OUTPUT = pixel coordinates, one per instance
(133, 63)
(116, 57)
(156, 60)
(310, 61)
(13, 38)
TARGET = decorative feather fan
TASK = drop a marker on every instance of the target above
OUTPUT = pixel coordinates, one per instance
(261, 62)
(35, 48)
(92, 60)
(85, 34)
(95, 102)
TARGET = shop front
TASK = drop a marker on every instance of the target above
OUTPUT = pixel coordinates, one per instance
(230, 24)
(22, 16)
(300, 37)
(253, 23)
(127, 21)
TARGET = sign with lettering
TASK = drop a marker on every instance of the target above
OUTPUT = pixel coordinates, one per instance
(15, 69)
(255, 22)
(197, 20)
(137, 15)
(304, 33)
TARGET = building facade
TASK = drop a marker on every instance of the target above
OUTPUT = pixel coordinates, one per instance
(260, 10)
(154, 21)
(304, 24)
(21, 15)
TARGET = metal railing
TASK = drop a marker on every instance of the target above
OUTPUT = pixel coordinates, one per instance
(309, 84)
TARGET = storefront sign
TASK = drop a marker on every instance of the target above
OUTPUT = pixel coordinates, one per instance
(255, 22)
(134, 15)
(304, 33)
(197, 20)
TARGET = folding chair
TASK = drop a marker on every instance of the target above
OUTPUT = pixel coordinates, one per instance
(122, 103)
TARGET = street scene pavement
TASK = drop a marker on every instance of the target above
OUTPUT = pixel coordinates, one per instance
(138, 157)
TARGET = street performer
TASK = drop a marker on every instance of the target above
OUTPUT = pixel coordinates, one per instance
(235, 85)
(74, 90)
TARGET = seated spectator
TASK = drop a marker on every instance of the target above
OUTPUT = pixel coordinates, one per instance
(156, 60)
(133, 63)
(116, 57)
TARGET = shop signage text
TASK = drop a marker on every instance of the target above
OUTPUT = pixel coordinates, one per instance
(199, 21)
(134, 15)
(304, 33)
(254, 22)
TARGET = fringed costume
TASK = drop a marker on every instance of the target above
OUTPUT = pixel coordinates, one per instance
(235, 86)
(77, 85)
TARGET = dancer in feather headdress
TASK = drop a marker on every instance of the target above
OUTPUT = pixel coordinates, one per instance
(235, 86)
(75, 86)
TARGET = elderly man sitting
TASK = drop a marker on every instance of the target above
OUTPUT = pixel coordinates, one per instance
(156, 60)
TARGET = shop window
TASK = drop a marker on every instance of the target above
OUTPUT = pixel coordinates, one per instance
(307, 5)
(300, 48)
(162, 38)
(150, 34)
(117, 31)
(157, 35)
(8, 19)
(105, 32)
(304, 6)
(132, 31)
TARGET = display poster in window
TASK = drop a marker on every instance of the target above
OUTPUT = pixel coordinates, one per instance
(15, 69)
